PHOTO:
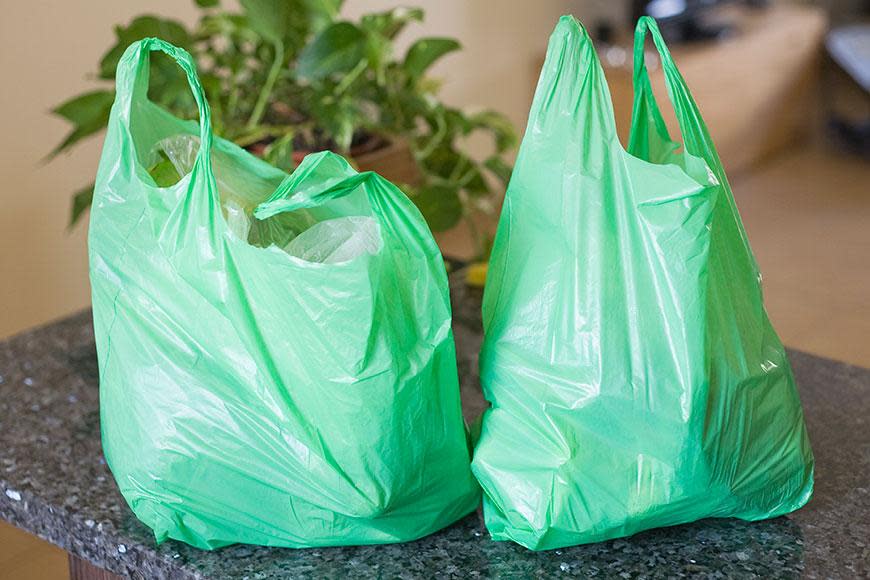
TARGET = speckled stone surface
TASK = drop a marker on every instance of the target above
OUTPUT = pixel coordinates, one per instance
(56, 485)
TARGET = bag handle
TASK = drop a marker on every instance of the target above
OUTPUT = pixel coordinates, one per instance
(329, 177)
(572, 79)
(132, 85)
(696, 139)
(326, 176)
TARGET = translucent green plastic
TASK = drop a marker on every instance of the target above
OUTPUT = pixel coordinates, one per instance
(248, 395)
(634, 376)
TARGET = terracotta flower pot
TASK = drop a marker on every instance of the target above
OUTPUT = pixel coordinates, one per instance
(391, 159)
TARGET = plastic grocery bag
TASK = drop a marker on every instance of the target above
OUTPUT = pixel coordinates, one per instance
(634, 377)
(249, 395)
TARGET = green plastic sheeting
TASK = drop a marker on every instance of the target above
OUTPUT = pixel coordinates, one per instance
(248, 395)
(634, 376)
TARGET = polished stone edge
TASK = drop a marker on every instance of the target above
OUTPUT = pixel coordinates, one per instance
(96, 544)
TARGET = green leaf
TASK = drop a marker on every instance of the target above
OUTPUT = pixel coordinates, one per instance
(218, 24)
(163, 172)
(379, 49)
(322, 13)
(499, 168)
(391, 22)
(500, 126)
(339, 48)
(425, 52)
(81, 201)
(339, 120)
(206, 3)
(440, 205)
(457, 122)
(473, 182)
(290, 22)
(455, 168)
(86, 108)
(280, 153)
(272, 19)
(142, 27)
(88, 113)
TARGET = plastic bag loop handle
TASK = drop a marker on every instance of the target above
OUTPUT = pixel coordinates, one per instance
(648, 24)
(678, 93)
(133, 68)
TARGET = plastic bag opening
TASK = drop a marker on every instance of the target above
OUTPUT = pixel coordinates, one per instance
(321, 235)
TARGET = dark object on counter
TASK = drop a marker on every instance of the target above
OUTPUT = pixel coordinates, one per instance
(849, 49)
(56, 485)
(687, 20)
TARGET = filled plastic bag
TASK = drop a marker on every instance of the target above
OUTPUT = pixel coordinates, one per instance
(250, 395)
(634, 377)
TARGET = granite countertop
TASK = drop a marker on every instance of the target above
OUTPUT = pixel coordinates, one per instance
(56, 485)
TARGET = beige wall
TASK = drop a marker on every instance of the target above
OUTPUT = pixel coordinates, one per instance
(47, 50)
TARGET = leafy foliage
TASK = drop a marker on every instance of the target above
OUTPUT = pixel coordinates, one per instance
(338, 49)
(81, 201)
(425, 52)
(88, 113)
(291, 75)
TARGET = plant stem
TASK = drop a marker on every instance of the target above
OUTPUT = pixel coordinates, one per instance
(350, 77)
(266, 91)
(457, 170)
(435, 140)
(260, 133)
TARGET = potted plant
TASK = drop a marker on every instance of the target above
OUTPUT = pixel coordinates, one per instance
(288, 77)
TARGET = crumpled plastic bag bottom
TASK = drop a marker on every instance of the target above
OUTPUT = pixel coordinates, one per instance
(328, 242)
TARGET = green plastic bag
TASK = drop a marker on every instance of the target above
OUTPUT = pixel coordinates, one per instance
(249, 395)
(634, 377)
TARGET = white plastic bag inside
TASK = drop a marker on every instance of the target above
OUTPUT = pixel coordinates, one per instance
(337, 240)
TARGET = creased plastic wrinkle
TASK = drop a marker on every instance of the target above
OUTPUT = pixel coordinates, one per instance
(276, 360)
(635, 380)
